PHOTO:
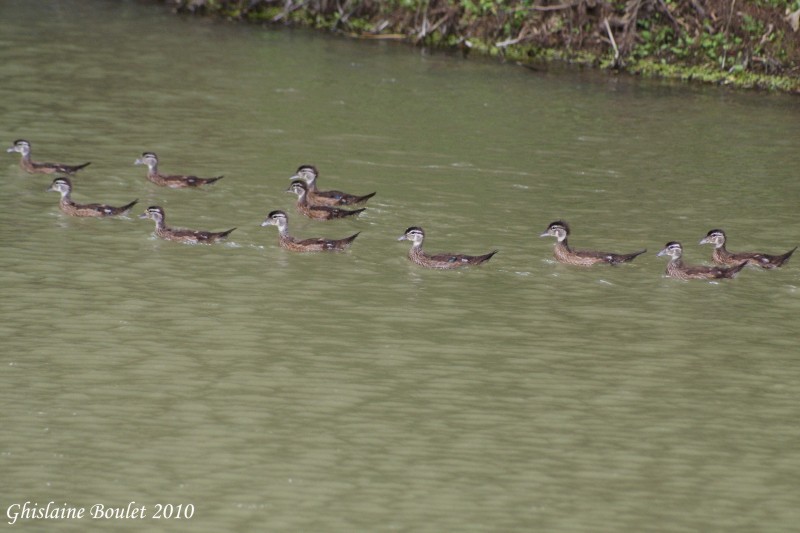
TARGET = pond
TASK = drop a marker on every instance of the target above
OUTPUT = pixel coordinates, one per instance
(278, 391)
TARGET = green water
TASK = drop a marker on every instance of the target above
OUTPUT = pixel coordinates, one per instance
(275, 391)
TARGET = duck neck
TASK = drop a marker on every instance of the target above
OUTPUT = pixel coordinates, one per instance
(26, 162)
(283, 231)
(66, 197)
(416, 249)
(675, 263)
(152, 168)
(562, 249)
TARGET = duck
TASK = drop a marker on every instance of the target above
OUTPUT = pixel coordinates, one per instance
(677, 269)
(64, 186)
(442, 261)
(318, 244)
(174, 181)
(309, 174)
(318, 212)
(722, 256)
(34, 167)
(156, 213)
(564, 254)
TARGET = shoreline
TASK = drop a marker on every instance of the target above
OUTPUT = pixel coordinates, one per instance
(746, 45)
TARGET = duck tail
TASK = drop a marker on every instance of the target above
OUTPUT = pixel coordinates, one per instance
(127, 207)
(732, 271)
(364, 198)
(785, 257)
(626, 258)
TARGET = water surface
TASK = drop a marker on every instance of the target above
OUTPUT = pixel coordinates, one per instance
(358, 392)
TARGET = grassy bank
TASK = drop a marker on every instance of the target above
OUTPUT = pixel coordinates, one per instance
(743, 43)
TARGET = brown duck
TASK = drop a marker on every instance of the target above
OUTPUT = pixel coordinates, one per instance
(439, 261)
(318, 212)
(281, 220)
(309, 175)
(677, 269)
(24, 148)
(172, 181)
(723, 257)
(190, 236)
(564, 254)
(64, 186)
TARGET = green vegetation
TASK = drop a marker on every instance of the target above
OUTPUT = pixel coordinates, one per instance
(743, 43)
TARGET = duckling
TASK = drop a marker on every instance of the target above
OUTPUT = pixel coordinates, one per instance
(281, 220)
(677, 269)
(309, 175)
(723, 257)
(24, 147)
(440, 261)
(564, 254)
(173, 182)
(317, 212)
(156, 214)
(64, 186)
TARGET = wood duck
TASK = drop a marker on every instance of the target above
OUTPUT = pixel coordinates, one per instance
(156, 214)
(309, 175)
(173, 182)
(677, 269)
(64, 186)
(564, 254)
(281, 220)
(723, 257)
(24, 147)
(441, 261)
(317, 212)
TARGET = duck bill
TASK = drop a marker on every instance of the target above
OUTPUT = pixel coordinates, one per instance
(662, 252)
(143, 215)
(545, 234)
(402, 238)
(705, 240)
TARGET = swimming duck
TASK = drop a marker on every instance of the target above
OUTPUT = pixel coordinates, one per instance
(723, 257)
(441, 261)
(173, 182)
(64, 186)
(281, 220)
(677, 269)
(24, 147)
(317, 212)
(156, 214)
(564, 254)
(309, 175)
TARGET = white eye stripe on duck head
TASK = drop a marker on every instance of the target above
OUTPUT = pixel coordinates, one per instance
(306, 173)
(20, 145)
(276, 218)
(414, 234)
(154, 212)
(148, 158)
(715, 237)
(672, 249)
(61, 185)
(298, 187)
(557, 229)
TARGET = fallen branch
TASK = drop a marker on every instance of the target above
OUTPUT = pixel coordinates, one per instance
(613, 43)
